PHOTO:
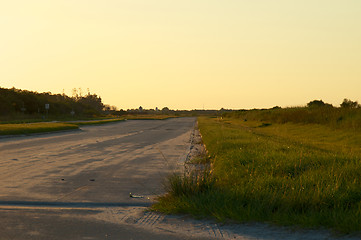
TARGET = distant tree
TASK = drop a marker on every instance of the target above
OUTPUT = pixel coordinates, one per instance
(91, 104)
(106, 107)
(318, 103)
(121, 112)
(347, 103)
(75, 94)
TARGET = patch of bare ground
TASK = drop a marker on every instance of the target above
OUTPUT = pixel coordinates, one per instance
(197, 158)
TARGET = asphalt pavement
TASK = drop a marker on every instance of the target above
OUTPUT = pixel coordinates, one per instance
(51, 185)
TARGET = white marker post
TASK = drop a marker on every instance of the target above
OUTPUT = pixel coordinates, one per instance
(47, 106)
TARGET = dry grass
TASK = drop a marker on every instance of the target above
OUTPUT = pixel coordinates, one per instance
(290, 174)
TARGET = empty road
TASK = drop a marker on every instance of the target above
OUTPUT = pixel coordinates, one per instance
(51, 183)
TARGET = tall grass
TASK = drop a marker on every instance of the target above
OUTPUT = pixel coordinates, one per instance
(289, 174)
(346, 118)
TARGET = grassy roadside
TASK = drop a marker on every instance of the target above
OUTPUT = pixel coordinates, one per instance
(97, 122)
(41, 127)
(149, 117)
(28, 128)
(290, 174)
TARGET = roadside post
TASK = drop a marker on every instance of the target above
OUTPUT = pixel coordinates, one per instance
(47, 106)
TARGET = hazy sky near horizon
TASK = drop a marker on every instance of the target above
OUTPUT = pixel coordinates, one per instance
(185, 54)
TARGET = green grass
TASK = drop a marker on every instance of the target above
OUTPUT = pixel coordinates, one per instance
(28, 128)
(148, 117)
(341, 118)
(41, 127)
(17, 127)
(304, 175)
(123, 118)
(51, 118)
(97, 122)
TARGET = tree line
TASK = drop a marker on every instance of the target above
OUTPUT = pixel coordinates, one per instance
(15, 102)
(23, 104)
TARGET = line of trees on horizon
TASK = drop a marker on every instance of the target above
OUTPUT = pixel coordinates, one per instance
(24, 104)
(15, 101)
(20, 104)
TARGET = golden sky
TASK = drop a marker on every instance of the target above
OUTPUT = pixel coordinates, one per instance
(186, 54)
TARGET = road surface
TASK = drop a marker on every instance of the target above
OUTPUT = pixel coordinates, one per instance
(51, 183)
(77, 185)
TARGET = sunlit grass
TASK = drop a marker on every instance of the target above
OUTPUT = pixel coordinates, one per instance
(96, 122)
(148, 117)
(19, 127)
(28, 128)
(290, 174)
